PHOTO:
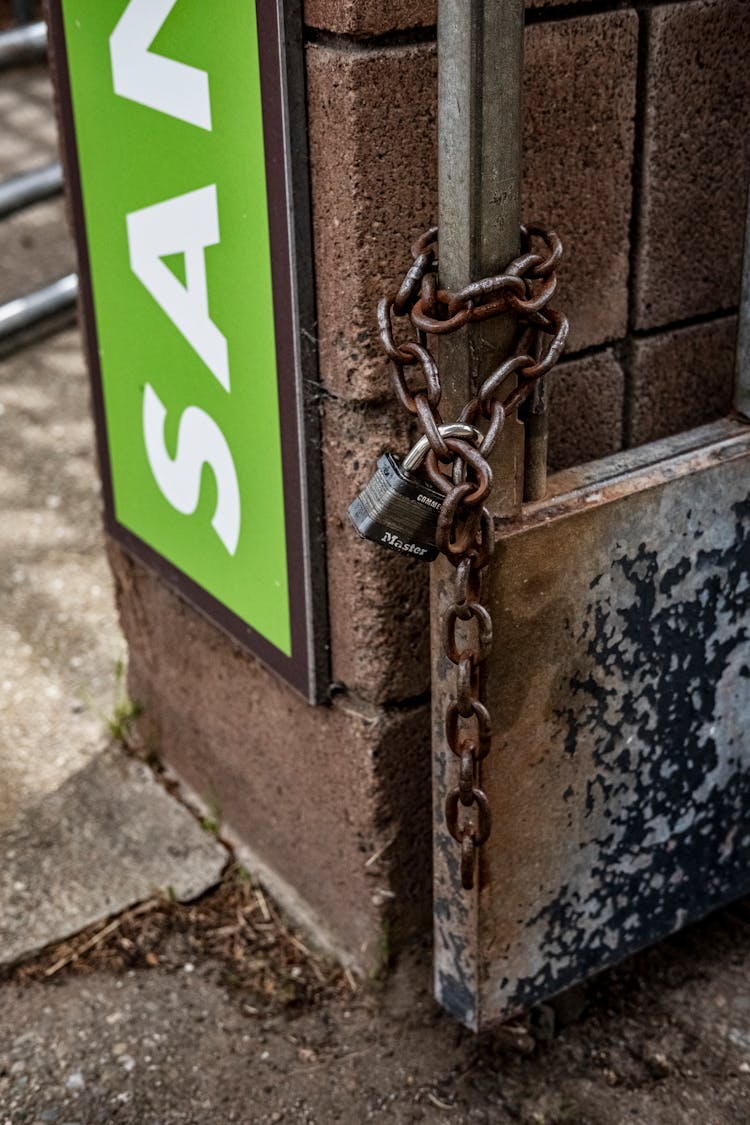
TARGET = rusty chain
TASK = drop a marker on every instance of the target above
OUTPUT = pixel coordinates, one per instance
(465, 528)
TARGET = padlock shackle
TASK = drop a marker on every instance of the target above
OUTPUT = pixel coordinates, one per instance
(419, 451)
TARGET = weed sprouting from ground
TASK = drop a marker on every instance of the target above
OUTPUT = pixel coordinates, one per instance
(119, 722)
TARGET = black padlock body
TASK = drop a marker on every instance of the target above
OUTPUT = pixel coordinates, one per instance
(398, 510)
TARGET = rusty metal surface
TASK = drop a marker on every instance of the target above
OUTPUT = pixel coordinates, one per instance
(619, 775)
(742, 381)
(536, 433)
(459, 469)
(479, 192)
(462, 475)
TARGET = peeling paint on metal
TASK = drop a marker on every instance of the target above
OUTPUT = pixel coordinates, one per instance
(620, 774)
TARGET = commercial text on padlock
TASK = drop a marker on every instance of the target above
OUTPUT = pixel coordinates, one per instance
(397, 508)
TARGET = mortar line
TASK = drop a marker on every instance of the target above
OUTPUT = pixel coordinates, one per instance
(413, 36)
(364, 44)
(339, 691)
(637, 180)
(688, 322)
(573, 10)
(379, 401)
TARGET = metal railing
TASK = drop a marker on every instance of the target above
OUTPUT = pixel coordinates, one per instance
(27, 42)
(30, 187)
(24, 312)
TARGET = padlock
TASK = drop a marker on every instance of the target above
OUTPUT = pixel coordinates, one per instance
(397, 508)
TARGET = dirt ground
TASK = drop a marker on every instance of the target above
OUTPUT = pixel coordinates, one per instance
(182, 1014)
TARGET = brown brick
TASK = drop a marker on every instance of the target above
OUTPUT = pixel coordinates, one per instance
(377, 599)
(314, 791)
(373, 17)
(585, 409)
(681, 378)
(369, 17)
(580, 77)
(372, 148)
(372, 137)
(696, 161)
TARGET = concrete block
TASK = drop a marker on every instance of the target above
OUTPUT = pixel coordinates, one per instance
(374, 184)
(681, 378)
(579, 91)
(362, 18)
(109, 837)
(316, 792)
(696, 161)
(374, 166)
(369, 17)
(378, 600)
(586, 398)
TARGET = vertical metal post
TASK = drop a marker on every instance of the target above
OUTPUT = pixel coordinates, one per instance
(742, 384)
(480, 53)
(480, 47)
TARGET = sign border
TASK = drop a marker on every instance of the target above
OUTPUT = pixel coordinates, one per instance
(284, 110)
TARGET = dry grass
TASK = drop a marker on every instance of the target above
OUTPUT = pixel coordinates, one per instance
(236, 927)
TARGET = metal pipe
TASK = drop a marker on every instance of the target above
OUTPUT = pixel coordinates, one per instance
(742, 377)
(30, 187)
(23, 312)
(480, 54)
(23, 44)
(480, 50)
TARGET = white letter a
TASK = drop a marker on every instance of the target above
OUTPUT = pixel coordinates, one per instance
(163, 84)
(185, 225)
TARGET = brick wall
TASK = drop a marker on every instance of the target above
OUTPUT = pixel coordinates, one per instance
(635, 148)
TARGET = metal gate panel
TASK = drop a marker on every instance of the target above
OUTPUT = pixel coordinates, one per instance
(619, 776)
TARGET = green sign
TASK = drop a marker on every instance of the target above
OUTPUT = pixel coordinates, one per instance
(178, 136)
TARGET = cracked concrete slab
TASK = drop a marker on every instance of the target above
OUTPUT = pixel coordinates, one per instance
(109, 837)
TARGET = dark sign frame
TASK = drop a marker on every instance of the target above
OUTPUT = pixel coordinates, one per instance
(287, 178)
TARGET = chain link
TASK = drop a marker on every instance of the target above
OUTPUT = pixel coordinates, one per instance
(461, 471)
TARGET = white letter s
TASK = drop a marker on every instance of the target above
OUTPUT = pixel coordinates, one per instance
(199, 442)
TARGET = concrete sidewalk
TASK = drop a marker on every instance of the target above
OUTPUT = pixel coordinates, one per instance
(84, 830)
